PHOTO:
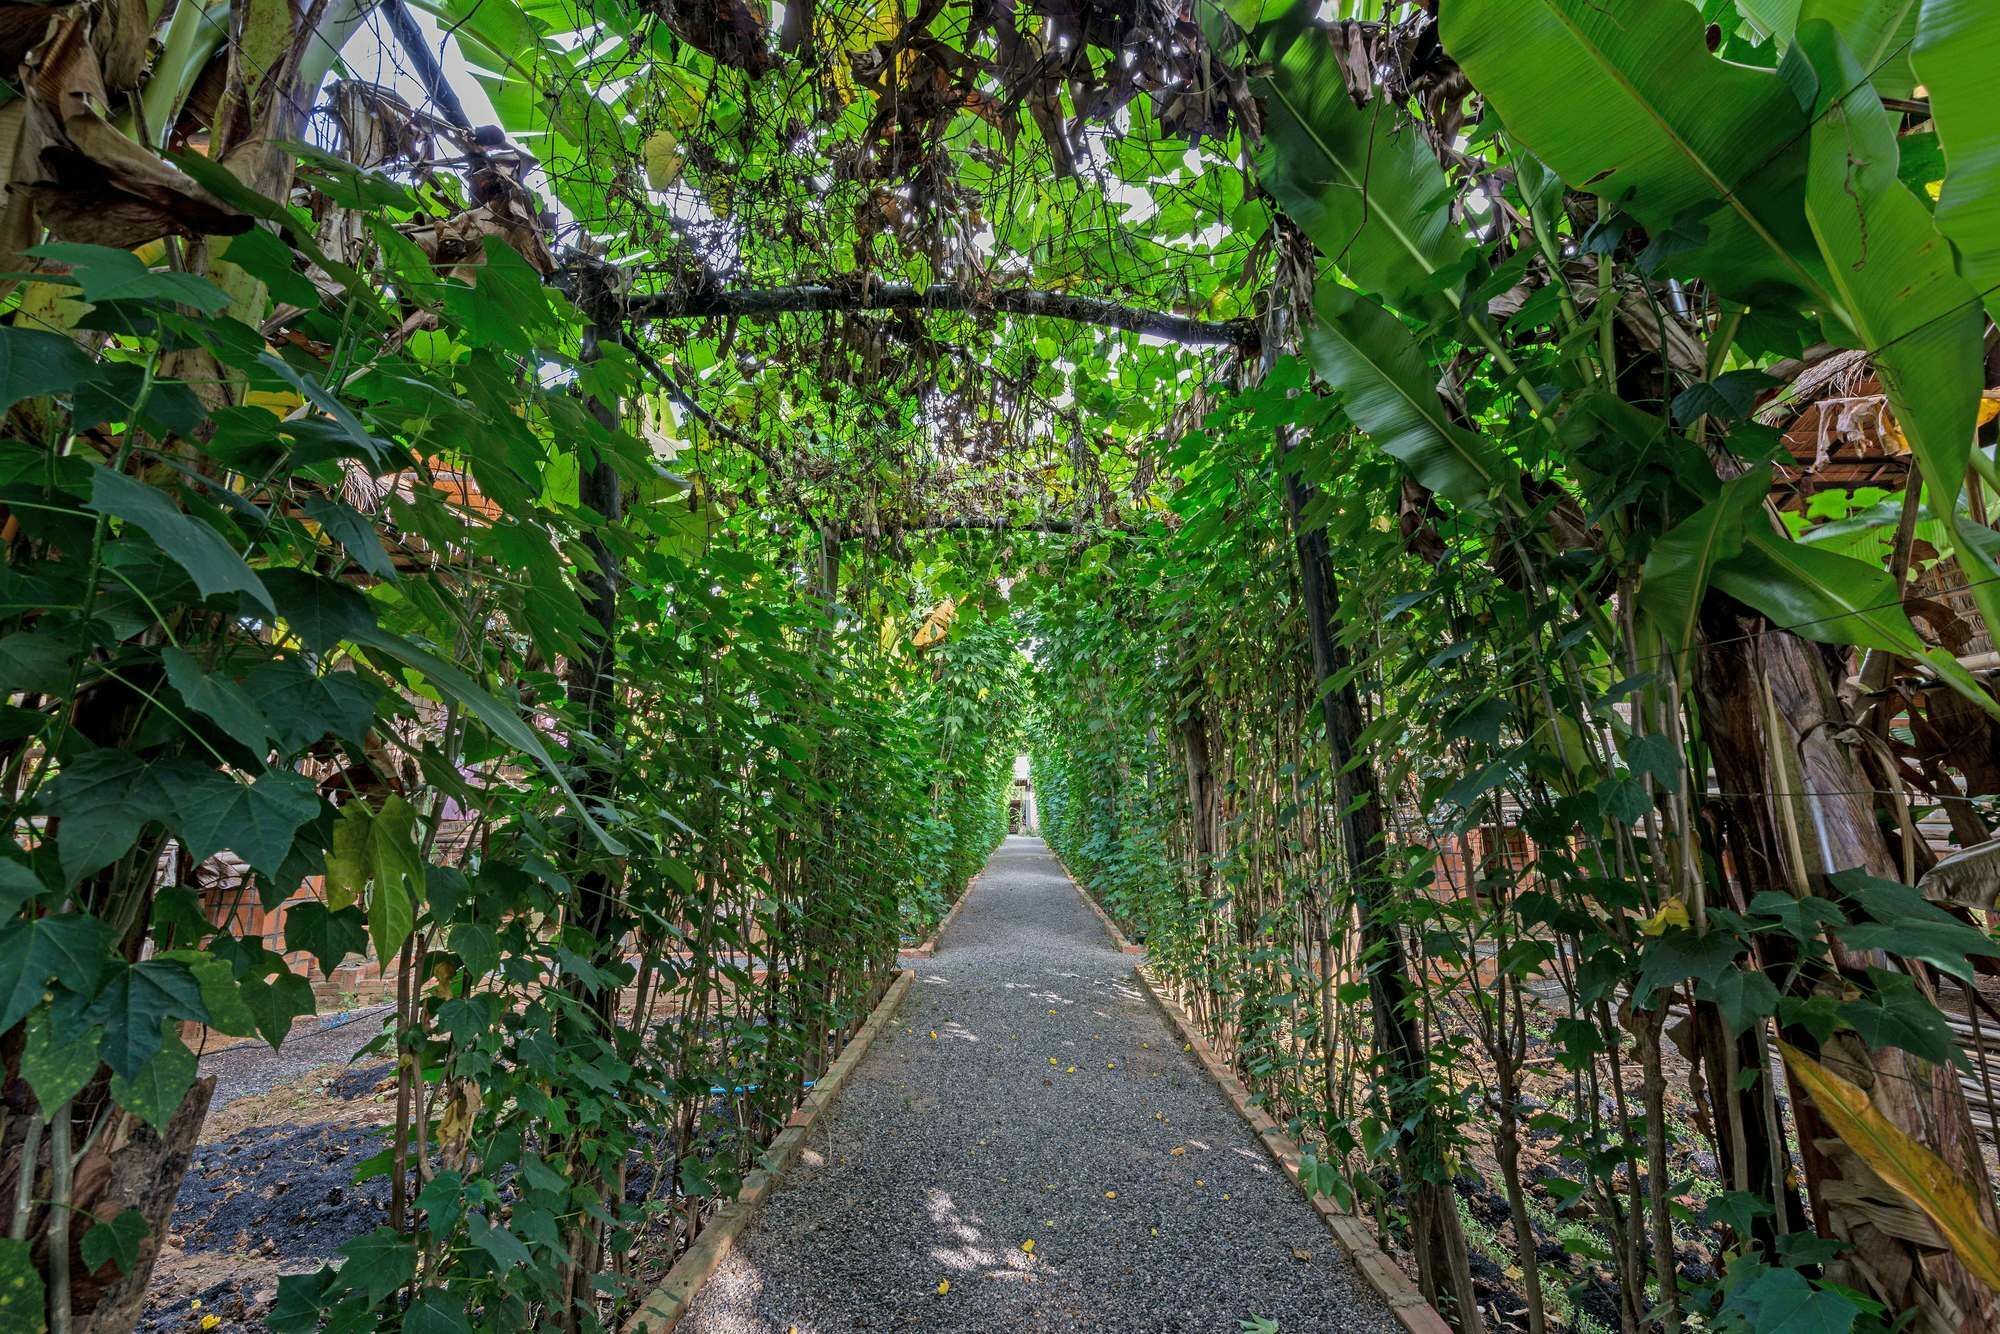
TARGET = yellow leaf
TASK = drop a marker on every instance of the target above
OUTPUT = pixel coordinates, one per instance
(1672, 913)
(944, 1286)
(664, 160)
(933, 1035)
(1054, 1061)
(1910, 1169)
(1029, 1246)
(1110, 1194)
(1069, 1070)
(936, 621)
(1178, 1151)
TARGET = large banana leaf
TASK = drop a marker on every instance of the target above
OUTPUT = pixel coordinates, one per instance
(1363, 351)
(1625, 101)
(1879, 32)
(1831, 599)
(1677, 569)
(1896, 277)
(1368, 192)
(1957, 51)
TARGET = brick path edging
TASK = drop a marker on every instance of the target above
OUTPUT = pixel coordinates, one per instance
(929, 947)
(1380, 1272)
(1117, 937)
(666, 1304)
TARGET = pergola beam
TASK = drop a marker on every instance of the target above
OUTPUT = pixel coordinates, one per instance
(757, 302)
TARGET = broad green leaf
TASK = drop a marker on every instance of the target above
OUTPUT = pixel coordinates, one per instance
(1892, 1012)
(18, 884)
(215, 695)
(1744, 996)
(38, 660)
(211, 562)
(1677, 569)
(104, 798)
(106, 274)
(67, 947)
(1781, 1301)
(264, 257)
(1905, 300)
(1356, 180)
(34, 363)
(355, 532)
(1678, 955)
(1913, 1171)
(1831, 599)
(23, 1299)
(328, 936)
(154, 1092)
(56, 1071)
(507, 306)
(321, 612)
(134, 1005)
(221, 992)
(503, 1246)
(274, 1002)
(348, 863)
(1956, 52)
(1672, 135)
(302, 705)
(116, 1240)
(1387, 390)
(257, 820)
(1879, 32)
(378, 1263)
(398, 872)
(476, 946)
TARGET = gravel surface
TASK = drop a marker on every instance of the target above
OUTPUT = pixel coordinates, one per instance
(252, 1067)
(1025, 1080)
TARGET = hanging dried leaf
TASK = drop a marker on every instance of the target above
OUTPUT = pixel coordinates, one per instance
(89, 182)
(936, 622)
(1915, 1176)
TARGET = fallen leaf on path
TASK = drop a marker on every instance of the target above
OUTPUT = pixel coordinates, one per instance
(944, 1286)
(1300, 1253)
(1178, 1151)
(1110, 1194)
(1029, 1246)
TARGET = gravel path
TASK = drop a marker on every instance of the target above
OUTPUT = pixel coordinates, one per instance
(1025, 1080)
(252, 1067)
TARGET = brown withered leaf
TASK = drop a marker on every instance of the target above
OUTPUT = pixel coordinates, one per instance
(88, 182)
(728, 30)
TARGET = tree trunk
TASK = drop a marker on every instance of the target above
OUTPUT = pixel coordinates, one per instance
(1829, 792)
(1444, 1270)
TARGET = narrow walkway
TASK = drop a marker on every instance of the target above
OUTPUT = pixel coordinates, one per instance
(1029, 1091)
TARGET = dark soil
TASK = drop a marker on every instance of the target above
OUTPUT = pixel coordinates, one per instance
(281, 1191)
